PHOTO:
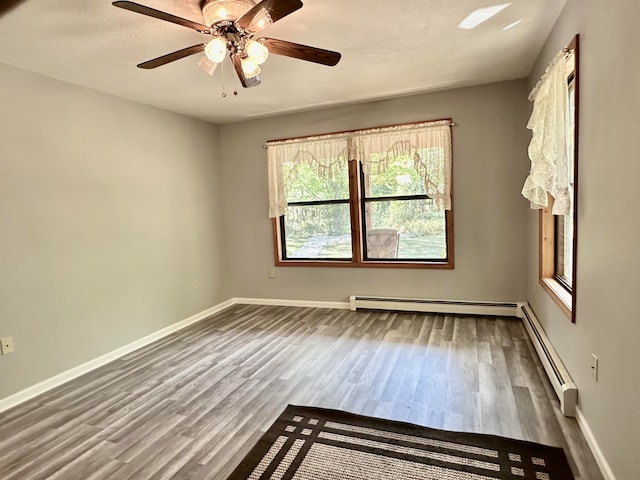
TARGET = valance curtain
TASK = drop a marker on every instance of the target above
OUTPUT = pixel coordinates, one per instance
(428, 144)
(548, 150)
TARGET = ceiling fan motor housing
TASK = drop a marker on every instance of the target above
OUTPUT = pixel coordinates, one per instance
(215, 11)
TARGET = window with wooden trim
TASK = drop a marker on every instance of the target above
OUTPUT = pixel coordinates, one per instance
(558, 232)
(368, 198)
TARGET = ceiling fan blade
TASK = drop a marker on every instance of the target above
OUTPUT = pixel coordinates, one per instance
(172, 57)
(152, 12)
(246, 82)
(303, 52)
(267, 12)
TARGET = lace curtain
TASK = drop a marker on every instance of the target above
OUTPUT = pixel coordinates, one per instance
(428, 144)
(326, 155)
(548, 148)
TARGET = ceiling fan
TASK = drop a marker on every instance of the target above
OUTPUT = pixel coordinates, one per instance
(233, 25)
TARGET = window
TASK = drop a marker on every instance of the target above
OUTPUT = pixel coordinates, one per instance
(377, 197)
(563, 224)
(558, 212)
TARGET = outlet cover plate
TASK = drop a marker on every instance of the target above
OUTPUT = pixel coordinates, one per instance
(7, 345)
(594, 366)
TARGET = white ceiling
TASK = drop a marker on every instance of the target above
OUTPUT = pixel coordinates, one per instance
(388, 49)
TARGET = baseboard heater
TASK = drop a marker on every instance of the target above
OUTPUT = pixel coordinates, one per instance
(560, 379)
(459, 307)
(565, 389)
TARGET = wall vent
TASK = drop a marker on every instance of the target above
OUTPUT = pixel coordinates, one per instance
(565, 389)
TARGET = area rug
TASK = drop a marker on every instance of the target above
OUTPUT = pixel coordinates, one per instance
(308, 443)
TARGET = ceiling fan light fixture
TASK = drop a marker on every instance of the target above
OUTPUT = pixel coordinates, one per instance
(256, 51)
(249, 67)
(260, 21)
(216, 49)
(207, 66)
(215, 11)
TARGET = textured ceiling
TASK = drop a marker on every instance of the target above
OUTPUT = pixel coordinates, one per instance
(388, 49)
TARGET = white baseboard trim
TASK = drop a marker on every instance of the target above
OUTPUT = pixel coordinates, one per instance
(64, 377)
(46, 385)
(292, 303)
(605, 468)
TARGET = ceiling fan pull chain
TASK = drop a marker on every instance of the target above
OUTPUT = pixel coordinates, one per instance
(235, 85)
(224, 92)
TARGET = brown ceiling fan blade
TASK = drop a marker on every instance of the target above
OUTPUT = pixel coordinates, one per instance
(246, 82)
(152, 12)
(276, 9)
(303, 52)
(172, 57)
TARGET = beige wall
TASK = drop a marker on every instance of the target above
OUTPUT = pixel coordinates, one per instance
(107, 214)
(110, 209)
(608, 284)
(490, 217)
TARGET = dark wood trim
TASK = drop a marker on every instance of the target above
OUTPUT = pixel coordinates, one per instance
(566, 300)
(357, 240)
(354, 206)
(345, 132)
(393, 198)
(365, 264)
(277, 248)
(449, 213)
(547, 241)
(314, 203)
(575, 46)
(449, 240)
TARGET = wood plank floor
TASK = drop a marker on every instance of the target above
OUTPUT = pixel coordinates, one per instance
(192, 404)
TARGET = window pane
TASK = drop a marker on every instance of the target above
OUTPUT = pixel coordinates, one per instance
(308, 181)
(411, 230)
(563, 225)
(407, 175)
(317, 232)
(564, 248)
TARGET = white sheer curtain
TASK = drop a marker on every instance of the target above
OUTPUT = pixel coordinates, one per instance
(428, 144)
(548, 150)
(323, 153)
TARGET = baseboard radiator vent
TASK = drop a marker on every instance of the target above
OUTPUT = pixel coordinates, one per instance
(459, 307)
(564, 387)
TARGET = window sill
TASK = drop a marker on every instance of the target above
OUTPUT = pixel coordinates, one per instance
(560, 295)
(368, 264)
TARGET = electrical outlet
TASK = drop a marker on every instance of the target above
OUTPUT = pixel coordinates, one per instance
(7, 345)
(594, 366)
(271, 273)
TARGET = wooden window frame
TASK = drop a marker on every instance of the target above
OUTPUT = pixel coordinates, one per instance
(358, 259)
(565, 298)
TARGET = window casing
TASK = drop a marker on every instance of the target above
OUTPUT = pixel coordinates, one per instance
(558, 233)
(367, 212)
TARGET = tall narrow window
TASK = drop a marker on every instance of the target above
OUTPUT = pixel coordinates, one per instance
(563, 224)
(377, 197)
(552, 183)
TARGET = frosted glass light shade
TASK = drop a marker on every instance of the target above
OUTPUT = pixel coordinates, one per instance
(216, 49)
(217, 10)
(207, 65)
(261, 21)
(256, 51)
(250, 68)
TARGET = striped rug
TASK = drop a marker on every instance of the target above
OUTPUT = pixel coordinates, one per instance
(308, 443)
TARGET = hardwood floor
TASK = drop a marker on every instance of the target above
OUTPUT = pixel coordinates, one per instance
(192, 404)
